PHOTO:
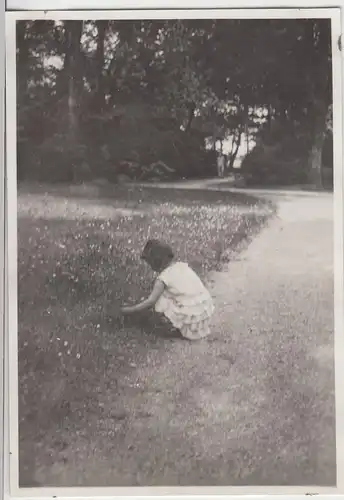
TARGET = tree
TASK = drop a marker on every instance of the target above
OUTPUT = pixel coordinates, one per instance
(144, 91)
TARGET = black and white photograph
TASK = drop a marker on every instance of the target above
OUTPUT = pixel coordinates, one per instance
(172, 190)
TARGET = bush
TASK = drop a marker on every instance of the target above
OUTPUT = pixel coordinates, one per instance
(260, 168)
(125, 145)
(55, 160)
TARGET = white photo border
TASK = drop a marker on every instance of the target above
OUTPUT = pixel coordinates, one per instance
(11, 462)
(2, 249)
(80, 5)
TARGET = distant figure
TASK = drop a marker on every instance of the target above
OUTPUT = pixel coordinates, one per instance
(178, 293)
(221, 166)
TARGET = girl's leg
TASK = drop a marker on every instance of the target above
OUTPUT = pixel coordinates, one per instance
(164, 327)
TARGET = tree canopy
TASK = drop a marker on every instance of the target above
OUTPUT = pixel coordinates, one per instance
(101, 98)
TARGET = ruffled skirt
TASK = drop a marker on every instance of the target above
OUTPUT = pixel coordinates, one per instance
(192, 318)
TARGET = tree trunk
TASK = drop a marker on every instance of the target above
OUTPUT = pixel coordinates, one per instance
(246, 120)
(73, 69)
(191, 116)
(23, 55)
(99, 98)
(315, 160)
(74, 32)
(315, 155)
(22, 45)
(236, 149)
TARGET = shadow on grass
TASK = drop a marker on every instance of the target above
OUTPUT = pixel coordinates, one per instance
(133, 194)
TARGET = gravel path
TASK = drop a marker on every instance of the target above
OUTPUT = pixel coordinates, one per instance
(254, 403)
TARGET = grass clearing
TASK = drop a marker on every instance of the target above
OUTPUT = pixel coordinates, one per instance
(78, 261)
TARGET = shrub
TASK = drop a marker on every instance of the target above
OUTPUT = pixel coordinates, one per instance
(262, 168)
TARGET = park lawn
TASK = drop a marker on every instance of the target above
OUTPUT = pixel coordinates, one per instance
(78, 262)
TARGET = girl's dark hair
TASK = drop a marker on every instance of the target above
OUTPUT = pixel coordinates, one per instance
(157, 254)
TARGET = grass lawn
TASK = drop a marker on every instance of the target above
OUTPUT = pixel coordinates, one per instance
(78, 261)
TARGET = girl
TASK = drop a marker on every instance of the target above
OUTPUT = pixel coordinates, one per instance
(178, 293)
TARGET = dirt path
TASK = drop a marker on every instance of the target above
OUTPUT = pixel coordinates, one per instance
(251, 405)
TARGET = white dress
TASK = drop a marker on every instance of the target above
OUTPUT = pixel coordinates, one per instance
(185, 301)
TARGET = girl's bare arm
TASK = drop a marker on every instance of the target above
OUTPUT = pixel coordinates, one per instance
(157, 291)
